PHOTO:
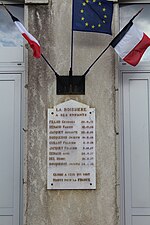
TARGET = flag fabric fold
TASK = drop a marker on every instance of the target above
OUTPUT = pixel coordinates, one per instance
(92, 16)
(34, 44)
(130, 44)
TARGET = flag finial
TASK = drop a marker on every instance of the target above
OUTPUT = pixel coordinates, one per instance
(137, 14)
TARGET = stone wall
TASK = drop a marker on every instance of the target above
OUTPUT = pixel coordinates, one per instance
(51, 25)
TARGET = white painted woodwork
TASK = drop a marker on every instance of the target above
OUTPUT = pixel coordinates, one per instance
(136, 147)
(10, 97)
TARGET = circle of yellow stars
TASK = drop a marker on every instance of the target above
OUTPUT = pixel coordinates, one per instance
(84, 19)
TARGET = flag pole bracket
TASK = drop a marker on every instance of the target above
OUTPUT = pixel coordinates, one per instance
(70, 85)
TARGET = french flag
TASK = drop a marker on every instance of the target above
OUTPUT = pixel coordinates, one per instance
(130, 44)
(34, 44)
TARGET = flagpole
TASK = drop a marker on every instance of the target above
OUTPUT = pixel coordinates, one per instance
(72, 43)
(87, 71)
(71, 66)
(6, 8)
(136, 14)
(56, 74)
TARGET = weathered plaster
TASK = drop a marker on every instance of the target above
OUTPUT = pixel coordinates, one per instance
(51, 24)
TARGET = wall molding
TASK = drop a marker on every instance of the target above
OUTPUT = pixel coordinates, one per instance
(36, 1)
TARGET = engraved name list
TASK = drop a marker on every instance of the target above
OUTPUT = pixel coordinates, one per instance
(71, 147)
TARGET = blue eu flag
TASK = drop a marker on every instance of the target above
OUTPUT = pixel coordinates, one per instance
(92, 16)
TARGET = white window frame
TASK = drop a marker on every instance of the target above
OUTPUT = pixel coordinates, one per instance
(122, 67)
(21, 68)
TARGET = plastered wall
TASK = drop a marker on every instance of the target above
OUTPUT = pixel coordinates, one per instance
(51, 25)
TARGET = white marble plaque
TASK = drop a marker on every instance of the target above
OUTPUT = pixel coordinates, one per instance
(71, 147)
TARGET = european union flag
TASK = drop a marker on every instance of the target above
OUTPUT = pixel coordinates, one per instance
(92, 16)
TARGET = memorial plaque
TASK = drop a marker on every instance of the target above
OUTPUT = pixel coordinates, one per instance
(71, 147)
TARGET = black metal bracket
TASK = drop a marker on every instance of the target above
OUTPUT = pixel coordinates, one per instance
(70, 85)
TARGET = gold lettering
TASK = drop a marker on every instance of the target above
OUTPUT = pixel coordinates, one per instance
(54, 153)
(57, 137)
(75, 109)
(86, 174)
(70, 148)
(66, 153)
(58, 174)
(54, 121)
(58, 109)
(51, 158)
(74, 137)
(83, 179)
(67, 179)
(58, 164)
(54, 127)
(68, 121)
(79, 174)
(63, 114)
(71, 174)
(71, 132)
(67, 127)
(56, 148)
(69, 142)
(57, 180)
(56, 132)
(77, 114)
(55, 142)
(58, 158)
